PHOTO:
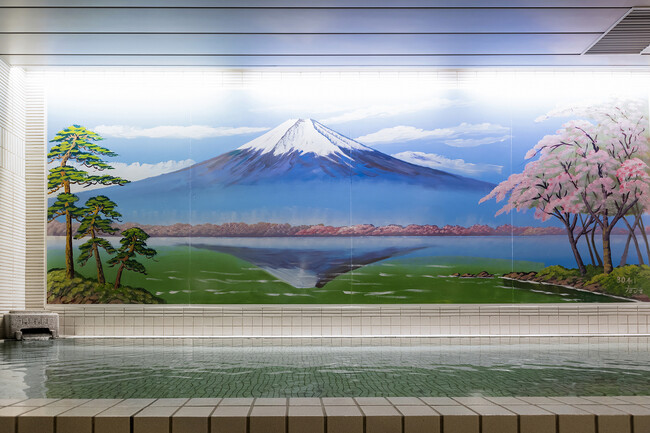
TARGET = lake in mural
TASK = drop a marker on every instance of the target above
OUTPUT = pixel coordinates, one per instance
(241, 195)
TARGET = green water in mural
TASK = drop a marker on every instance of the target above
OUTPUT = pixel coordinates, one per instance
(209, 277)
(148, 368)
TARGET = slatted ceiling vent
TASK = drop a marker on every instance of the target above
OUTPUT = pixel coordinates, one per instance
(631, 35)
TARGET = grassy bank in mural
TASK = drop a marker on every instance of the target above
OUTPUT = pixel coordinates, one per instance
(181, 241)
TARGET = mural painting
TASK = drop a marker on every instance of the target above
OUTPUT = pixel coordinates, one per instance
(416, 198)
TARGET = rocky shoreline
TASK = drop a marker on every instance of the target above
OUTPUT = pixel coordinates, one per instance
(577, 283)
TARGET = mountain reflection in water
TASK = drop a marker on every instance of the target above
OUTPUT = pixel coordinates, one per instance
(305, 268)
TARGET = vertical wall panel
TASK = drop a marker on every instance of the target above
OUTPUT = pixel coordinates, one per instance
(12, 188)
(35, 194)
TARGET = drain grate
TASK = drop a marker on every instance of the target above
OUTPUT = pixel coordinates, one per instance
(630, 35)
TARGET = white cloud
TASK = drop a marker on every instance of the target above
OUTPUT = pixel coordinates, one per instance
(473, 142)
(440, 162)
(137, 171)
(408, 133)
(390, 110)
(195, 132)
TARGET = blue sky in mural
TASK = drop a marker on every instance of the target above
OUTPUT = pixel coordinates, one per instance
(480, 134)
(468, 136)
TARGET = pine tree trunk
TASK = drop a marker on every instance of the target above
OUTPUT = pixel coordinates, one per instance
(69, 260)
(100, 269)
(118, 277)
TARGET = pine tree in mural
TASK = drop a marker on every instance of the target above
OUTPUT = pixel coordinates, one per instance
(134, 242)
(73, 152)
(98, 215)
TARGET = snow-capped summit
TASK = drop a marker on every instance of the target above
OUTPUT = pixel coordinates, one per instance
(303, 136)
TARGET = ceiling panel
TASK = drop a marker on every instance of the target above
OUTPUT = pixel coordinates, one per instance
(328, 3)
(303, 33)
(627, 61)
(77, 20)
(363, 44)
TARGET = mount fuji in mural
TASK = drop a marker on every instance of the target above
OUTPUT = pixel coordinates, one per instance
(304, 150)
(302, 172)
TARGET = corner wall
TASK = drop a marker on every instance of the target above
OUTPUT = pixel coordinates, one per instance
(12, 188)
(22, 191)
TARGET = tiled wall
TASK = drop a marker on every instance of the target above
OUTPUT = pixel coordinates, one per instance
(354, 321)
(12, 188)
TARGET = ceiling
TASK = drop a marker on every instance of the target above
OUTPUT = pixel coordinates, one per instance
(311, 33)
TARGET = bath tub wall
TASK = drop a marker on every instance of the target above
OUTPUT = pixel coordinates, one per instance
(354, 321)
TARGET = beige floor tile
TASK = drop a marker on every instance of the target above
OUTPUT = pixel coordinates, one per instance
(270, 402)
(203, 402)
(115, 419)
(192, 419)
(10, 401)
(635, 399)
(382, 419)
(420, 419)
(537, 400)
(496, 419)
(39, 419)
(136, 402)
(237, 402)
(153, 419)
(8, 417)
(476, 401)
(572, 400)
(606, 400)
(102, 402)
(36, 402)
(268, 419)
(405, 401)
(458, 419)
(77, 420)
(230, 419)
(338, 401)
(306, 419)
(170, 402)
(640, 416)
(533, 419)
(69, 402)
(372, 401)
(344, 419)
(439, 401)
(506, 400)
(304, 401)
(608, 419)
(572, 419)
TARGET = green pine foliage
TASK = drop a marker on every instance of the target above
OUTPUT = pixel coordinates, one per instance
(98, 215)
(134, 243)
(75, 150)
(65, 204)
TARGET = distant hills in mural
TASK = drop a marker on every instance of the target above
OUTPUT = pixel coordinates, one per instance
(302, 172)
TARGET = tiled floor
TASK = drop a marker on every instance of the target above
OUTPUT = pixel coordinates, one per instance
(330, 415)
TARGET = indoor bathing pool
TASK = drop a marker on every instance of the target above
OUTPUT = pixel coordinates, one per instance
(174, 368)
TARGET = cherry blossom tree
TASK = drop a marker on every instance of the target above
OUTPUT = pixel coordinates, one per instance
(590, 170)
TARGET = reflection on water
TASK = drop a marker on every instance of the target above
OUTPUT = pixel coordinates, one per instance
(150, 368)
(308, 268)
